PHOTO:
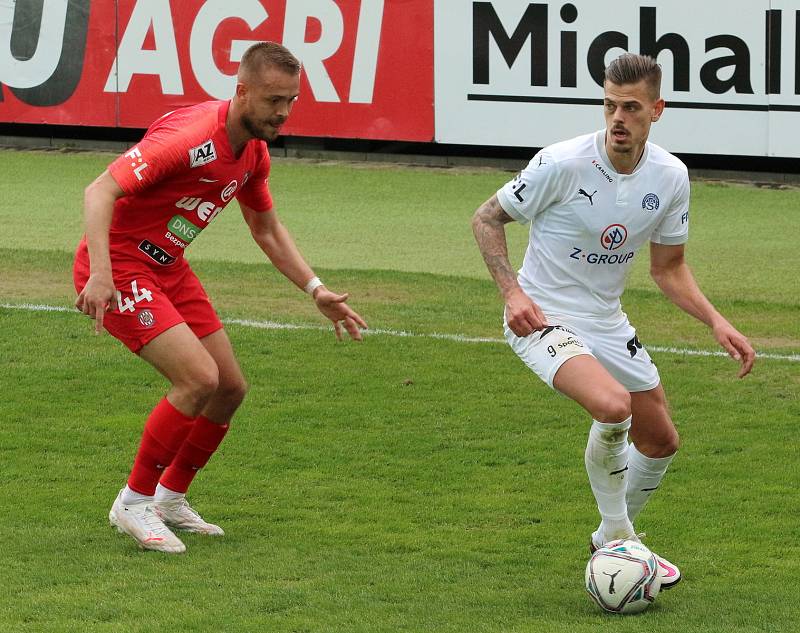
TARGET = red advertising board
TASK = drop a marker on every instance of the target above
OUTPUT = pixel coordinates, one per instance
(368, 64)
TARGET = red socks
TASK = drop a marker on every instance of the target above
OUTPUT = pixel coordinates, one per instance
(164, 433)
(194, 453)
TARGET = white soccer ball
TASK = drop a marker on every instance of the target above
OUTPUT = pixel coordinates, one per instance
(622, 577)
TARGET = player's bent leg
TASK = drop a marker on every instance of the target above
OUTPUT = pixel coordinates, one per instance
(182, 359)
(655, 442)
(205, 437)
(232, 386)
(180, 356)
(652, 430)
(584, 380)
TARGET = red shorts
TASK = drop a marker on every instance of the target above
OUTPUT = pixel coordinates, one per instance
(150, 302)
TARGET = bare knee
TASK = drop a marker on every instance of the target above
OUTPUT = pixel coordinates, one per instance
(232, 393)
(612, 406)
(662, 445)
(198, 385)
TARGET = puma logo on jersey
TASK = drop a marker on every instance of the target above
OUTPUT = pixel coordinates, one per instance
(202, 154)
(583, 193)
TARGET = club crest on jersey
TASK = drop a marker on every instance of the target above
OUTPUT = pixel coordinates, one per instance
(202, 154)
(146, 318)
(650, 202)
(613, 237)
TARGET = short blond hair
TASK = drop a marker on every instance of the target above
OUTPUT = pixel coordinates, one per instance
(265, 54)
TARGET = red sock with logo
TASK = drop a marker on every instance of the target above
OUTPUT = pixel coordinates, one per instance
(164, 433)
(196, 450)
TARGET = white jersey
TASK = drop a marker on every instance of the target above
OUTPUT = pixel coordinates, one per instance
(588, 221)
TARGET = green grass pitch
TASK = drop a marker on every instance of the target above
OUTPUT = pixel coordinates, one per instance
(409, 483)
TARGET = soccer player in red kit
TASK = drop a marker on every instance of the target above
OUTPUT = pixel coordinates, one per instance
(131, 277)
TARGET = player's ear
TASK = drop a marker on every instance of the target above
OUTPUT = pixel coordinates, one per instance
(658, 110)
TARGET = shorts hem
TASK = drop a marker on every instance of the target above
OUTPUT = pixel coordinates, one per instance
(554, 368)
(207, 331)
(640, 389)
(136, 348)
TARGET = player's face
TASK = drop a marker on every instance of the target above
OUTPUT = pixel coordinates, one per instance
(267, 101)
(630, 110)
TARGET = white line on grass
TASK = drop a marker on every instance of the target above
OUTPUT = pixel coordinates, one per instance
(459, 338)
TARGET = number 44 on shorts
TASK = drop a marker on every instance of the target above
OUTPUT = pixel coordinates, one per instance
(127, 304)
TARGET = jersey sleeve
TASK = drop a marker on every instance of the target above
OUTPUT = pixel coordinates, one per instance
(533, 190)
(161, 153)
(674, 226)
(255, 192)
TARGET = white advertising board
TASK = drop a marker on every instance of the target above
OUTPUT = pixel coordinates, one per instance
(517, 73)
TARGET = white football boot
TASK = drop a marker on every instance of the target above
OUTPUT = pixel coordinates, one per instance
(140, 522)
(179, 515)
(670, 574)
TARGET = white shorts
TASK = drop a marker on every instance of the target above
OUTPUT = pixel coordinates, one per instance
(615, 345)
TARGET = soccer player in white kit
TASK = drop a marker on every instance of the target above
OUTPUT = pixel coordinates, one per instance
(593, 202)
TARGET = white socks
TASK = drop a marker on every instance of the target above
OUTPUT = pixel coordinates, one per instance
(606, 463)
(644, 476)
(131, 497)
(165, 494)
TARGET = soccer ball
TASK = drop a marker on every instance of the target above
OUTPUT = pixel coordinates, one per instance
(622, 577)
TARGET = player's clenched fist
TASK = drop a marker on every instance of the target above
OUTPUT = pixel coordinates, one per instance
(523, 315)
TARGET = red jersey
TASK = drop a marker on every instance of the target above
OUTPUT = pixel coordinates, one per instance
(177, 179)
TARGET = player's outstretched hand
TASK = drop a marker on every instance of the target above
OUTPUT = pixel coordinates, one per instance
(334, 307)
(737, 345)
(522, 315)
(95, 299)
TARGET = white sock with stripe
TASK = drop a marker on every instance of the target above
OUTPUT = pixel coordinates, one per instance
(644, 476)
(606, 464)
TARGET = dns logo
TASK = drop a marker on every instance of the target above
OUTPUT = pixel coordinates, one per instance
(650, 202)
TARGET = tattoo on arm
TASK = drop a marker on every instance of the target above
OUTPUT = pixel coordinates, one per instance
(488, 226)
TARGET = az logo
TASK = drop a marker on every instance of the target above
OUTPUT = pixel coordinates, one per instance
(202, 154)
